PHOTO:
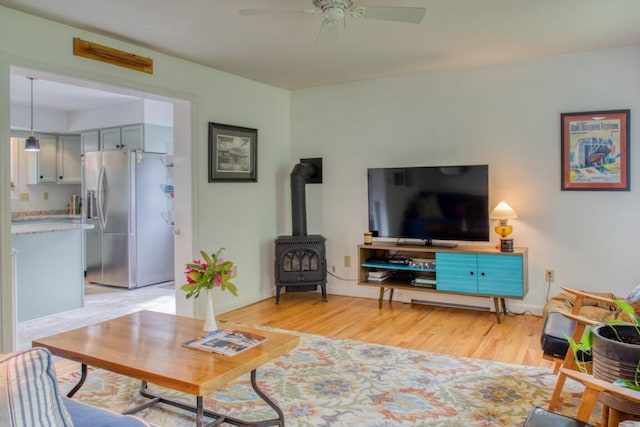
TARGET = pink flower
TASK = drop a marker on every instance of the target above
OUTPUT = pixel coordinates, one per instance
(213, 272)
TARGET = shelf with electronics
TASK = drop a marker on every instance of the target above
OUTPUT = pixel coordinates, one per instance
(464, 270)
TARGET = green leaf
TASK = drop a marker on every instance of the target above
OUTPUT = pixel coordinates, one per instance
(231, 287)
(194, 275)
(628, 310)
(226, 265)
(206, 257)
(195, 267)
(628, 384)
(192, 289)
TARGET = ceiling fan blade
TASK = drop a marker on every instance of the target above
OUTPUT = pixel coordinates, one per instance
(277, 11)
(328, 31)
(411, 15)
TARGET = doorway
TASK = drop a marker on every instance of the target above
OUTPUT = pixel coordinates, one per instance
(182, 150)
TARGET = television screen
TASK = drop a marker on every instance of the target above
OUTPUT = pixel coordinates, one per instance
(430, 203)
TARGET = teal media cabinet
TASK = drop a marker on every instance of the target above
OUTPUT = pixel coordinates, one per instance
(466, 270)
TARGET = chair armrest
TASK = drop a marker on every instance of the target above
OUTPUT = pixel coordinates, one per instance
(579, 319)
(583, 294)
(600, 385)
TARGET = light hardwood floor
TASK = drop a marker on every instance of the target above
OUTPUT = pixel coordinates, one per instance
(458, 332)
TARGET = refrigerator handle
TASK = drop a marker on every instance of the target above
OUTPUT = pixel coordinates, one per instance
(101, 199)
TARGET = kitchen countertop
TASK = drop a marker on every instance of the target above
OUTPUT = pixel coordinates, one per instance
(46, 217)
(47, 227)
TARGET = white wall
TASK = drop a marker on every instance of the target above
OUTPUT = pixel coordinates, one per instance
(44, 120)
(507, 116)
(122, 114)
(242, 217)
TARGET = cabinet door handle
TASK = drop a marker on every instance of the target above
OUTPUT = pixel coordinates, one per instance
(41, 176)
(471, 273)
(60, 176)
(482, 274)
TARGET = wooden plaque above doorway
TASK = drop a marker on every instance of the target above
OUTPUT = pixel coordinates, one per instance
(112, 56)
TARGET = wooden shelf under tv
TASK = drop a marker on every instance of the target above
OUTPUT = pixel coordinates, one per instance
(466, 270)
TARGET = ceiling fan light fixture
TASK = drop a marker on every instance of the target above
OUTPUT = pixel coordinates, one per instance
(31, 143)
(338, 11)
(334, 14)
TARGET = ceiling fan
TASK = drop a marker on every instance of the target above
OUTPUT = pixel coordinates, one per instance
(335, 11)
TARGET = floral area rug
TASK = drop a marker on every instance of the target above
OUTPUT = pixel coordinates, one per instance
(336, 382)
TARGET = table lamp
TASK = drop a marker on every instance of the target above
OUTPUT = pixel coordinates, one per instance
(503, 213)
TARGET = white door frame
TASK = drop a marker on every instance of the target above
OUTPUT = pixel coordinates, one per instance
(183, 214)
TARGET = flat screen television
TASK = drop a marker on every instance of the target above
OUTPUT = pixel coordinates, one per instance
(430, 203)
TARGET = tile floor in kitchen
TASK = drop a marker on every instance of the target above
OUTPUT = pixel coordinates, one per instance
(101, 303)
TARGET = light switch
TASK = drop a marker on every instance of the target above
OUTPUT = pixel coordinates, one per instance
(46, 195)
(24, 196)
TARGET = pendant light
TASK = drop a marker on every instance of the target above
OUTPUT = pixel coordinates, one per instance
(31, 143)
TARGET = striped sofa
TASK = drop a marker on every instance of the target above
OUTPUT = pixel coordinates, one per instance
(29, 396)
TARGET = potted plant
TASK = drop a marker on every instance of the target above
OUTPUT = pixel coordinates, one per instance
(614, 347)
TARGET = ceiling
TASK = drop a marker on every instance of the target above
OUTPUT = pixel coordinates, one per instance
(281, 50)
(52, 94)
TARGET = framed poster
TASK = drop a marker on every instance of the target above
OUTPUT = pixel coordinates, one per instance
(233, 154)
(595, 150)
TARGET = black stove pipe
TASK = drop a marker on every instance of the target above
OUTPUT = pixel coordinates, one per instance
(299, 175)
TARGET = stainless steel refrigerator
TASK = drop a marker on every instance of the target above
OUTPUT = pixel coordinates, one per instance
(131, 244)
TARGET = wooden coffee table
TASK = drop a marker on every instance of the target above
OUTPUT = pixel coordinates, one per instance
(147, 345)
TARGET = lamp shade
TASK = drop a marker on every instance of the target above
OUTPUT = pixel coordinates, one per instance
(503, 211)
(31, 144)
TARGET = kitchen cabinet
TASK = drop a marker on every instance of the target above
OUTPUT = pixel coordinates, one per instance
(42, 165)
(68, 155)
(156, 138)
(49, 273)
(58, 160)
(90, 141)
(149, 138)
(132, 137)
(110, 138)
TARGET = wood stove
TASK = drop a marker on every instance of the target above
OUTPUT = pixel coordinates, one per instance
(301, 264)
(300, 259)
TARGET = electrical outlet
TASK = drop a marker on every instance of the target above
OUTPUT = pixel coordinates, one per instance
(548, 275)
(347, 261)
(24, 196)
(46, 195)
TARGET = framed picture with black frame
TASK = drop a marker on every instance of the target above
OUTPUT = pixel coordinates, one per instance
(233, 153)
(595, 150)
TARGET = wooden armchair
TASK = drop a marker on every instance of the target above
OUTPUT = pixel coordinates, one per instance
(595, 390)
(598, 307)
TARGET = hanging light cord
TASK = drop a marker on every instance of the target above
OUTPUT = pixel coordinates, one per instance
(31, 79)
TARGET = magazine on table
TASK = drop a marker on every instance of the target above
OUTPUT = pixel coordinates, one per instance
(226, 341)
